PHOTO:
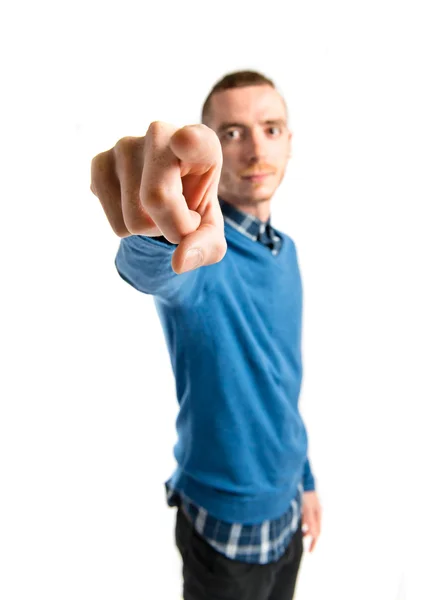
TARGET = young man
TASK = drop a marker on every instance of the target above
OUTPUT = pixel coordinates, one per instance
(196, 197)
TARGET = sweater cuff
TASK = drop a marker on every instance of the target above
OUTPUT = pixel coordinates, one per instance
(308, 478)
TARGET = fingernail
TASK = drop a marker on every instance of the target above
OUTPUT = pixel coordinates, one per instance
(194, 259)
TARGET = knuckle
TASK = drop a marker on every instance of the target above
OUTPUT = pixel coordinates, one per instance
(127, 158)
(99, 168)
(156, 129)
(98, 163)
(155, 197)
(128, 146)
(123, 145)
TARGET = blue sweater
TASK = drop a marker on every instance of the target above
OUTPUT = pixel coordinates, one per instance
(233, 331)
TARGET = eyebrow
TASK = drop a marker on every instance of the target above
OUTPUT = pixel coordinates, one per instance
(225, 126)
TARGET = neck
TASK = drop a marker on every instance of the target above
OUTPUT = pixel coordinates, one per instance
(261, 210)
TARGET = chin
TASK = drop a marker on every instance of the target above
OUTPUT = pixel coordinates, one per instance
(262, 194)
(252, 199)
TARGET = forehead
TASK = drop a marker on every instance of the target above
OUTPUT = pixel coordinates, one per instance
(248, 105)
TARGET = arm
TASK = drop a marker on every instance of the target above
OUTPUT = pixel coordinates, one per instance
(311, 510)
(145, 263)
(163, 184)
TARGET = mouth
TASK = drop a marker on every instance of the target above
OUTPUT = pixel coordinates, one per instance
(256, 177)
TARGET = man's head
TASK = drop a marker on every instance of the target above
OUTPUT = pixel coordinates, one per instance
(250, 118)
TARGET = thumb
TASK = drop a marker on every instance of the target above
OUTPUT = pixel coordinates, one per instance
(205, 246)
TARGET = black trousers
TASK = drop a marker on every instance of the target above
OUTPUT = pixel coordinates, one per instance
(209, 575)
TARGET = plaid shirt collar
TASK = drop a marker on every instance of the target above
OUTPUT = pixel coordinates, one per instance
(251, 226)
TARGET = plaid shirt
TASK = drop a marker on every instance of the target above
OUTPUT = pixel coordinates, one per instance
(263, 542)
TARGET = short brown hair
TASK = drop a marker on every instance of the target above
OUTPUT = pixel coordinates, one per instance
(237, 79)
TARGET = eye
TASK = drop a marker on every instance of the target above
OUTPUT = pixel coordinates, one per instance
(232, 134)
(276, 131)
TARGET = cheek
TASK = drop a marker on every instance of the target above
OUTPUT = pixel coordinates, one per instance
(230, 168)
(226, 176)
(280, 172)
(281, 161)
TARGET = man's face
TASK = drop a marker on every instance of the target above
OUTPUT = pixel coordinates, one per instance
(251, 123)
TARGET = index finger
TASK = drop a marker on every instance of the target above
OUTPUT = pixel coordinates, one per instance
(199, 150)
(169, 156)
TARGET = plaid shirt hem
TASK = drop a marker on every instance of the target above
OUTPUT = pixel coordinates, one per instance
(259, 543)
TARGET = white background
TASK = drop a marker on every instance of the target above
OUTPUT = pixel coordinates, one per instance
(87, 396)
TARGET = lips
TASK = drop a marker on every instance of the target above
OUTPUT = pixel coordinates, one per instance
(256, 176)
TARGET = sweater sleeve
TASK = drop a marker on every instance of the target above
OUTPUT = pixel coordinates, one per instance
(145, 264)
(308, 478)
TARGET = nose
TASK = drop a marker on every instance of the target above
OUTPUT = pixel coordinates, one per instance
(256, 150)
